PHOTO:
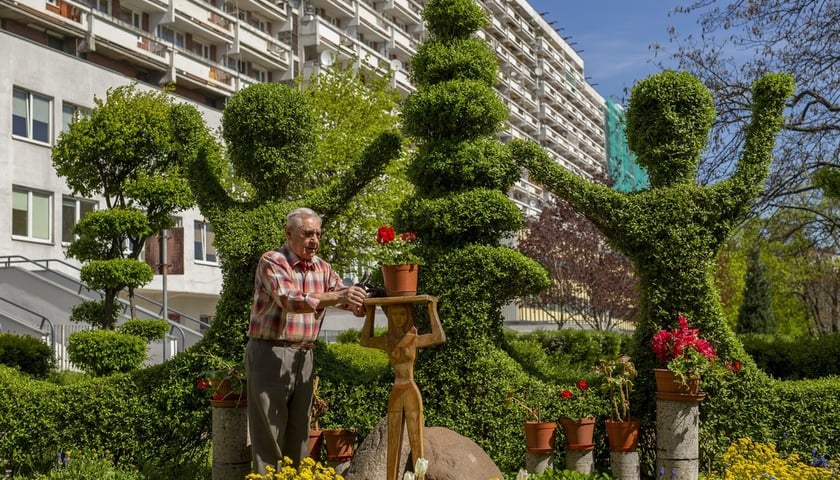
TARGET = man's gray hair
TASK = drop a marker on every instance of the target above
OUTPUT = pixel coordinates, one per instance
(295, 218)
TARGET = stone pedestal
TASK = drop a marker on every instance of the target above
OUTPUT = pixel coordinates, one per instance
(538, 462)
(231, 444)
(677, 439)
(582, 461)
(625, 465)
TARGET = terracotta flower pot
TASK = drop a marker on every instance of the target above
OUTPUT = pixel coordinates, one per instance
(400, 280)
(668, 388)
(540, 436)
(579, 432)
(339, 444)
(228, 395)
(316, 440)
(622, 436)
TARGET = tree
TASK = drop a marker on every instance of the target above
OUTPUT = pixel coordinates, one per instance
(354, 106)
(672, 232)
(821, 293)
(756, 312)
(460, 212)
(124, 150)
(592, 284)
(742, 39)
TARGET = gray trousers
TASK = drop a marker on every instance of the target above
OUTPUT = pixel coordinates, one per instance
(279, 402)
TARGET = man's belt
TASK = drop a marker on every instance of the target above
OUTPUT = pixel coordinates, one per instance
(288, 344)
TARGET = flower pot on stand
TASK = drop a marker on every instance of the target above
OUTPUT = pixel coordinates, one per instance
(669, 388)
(540, 436)
(339, 444)
(400, 280)
(622, 436)
(228, 395)
(579, 432)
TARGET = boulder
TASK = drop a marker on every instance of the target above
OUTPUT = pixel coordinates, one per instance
(451, 456)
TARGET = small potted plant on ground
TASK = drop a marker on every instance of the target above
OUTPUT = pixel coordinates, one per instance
(319, 408)
(617, 376)
(685, 356)
(579, 408)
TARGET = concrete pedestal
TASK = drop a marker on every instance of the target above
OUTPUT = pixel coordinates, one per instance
(625, 465)
(231, 444)
(538, 462)
(677, 439)
(582, 461)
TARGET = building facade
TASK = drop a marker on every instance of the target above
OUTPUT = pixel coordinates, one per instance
(57, 55)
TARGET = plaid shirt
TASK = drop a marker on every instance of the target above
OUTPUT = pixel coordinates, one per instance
(282, 308)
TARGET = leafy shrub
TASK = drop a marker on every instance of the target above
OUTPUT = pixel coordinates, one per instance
(88, 466)
(794, 357)
(92, 312)
(148, 330)
(746, 460)
(26, 353)
(104, 352)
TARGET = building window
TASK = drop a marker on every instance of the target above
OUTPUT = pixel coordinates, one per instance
(171, 36)
(31, 116)
(31, 214)
(73, 210)
(205, 251)
(101, 5)
(69, 113)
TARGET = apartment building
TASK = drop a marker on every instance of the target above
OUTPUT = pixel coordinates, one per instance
(57, 55)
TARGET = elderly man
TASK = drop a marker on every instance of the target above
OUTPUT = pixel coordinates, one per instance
(292, 289)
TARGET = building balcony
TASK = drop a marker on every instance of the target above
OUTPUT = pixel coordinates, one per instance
(401, 44)
(371, 24)
(405, 10)
(322, 34)
(204, 21)
(335, 8)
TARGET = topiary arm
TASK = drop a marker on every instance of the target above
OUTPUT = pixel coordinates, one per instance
(201, 157)
(770, 93)
(334, 196)
(584, 196)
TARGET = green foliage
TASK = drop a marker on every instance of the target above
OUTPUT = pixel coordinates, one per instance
(453, 221)
(105, 352)
(88, 466)
(756, 312)
(102, 233)
(453, 19)
(148, 330)
(116, 273)
(552, 474)
(128, 132)
(668, 122)
(462, 59)
(453, 166)
(27, 354)
(795, 357)
(270, 131)
(457, 109)
(92, 312)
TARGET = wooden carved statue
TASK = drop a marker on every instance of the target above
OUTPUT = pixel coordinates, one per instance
(405, 407)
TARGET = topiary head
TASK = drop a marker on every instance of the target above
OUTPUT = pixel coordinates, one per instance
(453, 19)
(669, 118)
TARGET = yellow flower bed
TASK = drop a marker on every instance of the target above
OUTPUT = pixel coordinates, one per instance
(747, 460)
(308, 470)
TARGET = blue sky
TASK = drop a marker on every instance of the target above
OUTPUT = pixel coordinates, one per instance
(613, 36)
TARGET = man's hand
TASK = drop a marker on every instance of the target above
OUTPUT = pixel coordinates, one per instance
(353, 297)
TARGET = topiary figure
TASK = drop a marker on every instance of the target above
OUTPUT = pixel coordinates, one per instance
(672, 232)
(269, 130)
(460, 211)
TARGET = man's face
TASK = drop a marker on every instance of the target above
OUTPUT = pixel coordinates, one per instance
(304, 240)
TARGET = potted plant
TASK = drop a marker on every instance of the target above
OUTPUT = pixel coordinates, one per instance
(396, 254)
(319, 409)
(225, 382)
(579, 409)
(617, 376)
(685, 357)
(539, 434)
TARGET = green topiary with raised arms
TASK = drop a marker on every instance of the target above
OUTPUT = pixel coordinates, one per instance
(672, 232)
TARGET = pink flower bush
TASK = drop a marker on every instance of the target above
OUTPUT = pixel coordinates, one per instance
(683, 351)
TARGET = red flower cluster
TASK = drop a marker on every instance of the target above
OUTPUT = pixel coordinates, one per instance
(668, 345)
(580, 404)
(387, 234)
